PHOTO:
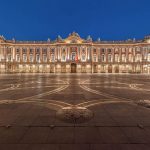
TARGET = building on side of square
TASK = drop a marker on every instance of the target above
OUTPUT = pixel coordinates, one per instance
(75, 55)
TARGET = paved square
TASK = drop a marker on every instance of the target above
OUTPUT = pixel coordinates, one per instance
(29, 106)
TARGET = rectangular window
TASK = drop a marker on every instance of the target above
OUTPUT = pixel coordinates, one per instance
(45, 50)
(94, 50)
(103, 58)
(94, 58)
(44, 58)
(24, 58)
(37, 58)
(9, 57)
(31, 51)
(116, 58)
(37, 50)
(52, 58)
(109, 50)
(63, 58)
(123, 58)
(73, 56)
(148, 59)
(17, 50)
(31, 58)
(17, 58)
(103, 50)
(24, 50)
(109, 58)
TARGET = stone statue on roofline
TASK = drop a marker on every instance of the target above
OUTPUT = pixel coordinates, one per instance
(89, 39)
(98, 40)
(48, 40)
(59, 38)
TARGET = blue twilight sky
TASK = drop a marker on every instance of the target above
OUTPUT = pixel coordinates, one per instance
(43, 19)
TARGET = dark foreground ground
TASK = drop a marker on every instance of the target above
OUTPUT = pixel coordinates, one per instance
(28, 106)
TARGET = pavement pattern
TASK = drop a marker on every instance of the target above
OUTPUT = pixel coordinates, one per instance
(29, 104)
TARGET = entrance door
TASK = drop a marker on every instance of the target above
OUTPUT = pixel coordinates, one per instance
(73, 68)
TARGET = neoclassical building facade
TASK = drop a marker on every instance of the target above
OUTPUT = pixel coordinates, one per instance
(75, 55)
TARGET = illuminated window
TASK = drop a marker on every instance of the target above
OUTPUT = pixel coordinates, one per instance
(64, 50)
(116, 58)
(94, 50)
(52, 58)
(83, 57)
(52, 50)
(148, 59)
(17, 50)
(137, 49)
(130, 50)
(31, 50)
(45, 50)
(94, 58)
(24, 50)
(109, 50)
(103, 50)
(17, 58)
(37, 50)
(138, 57)
(31, 58)
(44, 58)
(83, 50)
(9, 57)
(116, 50)
(109, 58)
(123, 58)
(37, 58)
(103, 58)
(73, 56)
(63, 57)
(123, 50)
(24, 58)
(130, 58)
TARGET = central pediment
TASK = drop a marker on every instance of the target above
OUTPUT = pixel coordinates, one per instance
(74, 38)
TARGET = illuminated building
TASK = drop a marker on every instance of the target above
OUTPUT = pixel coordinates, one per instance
(75, 55)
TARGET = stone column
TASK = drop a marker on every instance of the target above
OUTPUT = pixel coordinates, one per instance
(13, 53)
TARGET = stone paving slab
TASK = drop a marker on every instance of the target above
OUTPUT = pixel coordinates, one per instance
(114, 126)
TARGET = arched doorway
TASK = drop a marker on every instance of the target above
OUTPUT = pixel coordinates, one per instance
(73, 68)
(63, 68)
(83, 68)
(95, 68)
(110, 69)
(116, 69)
